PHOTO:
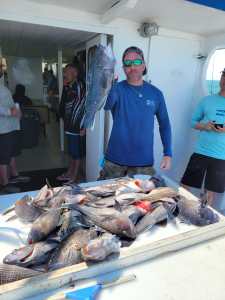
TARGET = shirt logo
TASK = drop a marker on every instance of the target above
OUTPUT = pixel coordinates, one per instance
(150, 103)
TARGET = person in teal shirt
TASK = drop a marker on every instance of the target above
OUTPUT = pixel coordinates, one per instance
(208, 160)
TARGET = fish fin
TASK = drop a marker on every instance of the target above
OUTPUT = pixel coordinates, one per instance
(158, 181)
(162, 223)
(14, 217)
(8, 210)
(117, 206)
(48, 184)
(88, 120)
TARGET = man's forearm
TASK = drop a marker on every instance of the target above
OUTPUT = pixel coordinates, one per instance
(202, 126)
(5, 112)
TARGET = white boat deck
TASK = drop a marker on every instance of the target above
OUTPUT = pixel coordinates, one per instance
(194, 273)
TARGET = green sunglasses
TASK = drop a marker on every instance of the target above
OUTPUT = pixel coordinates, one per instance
(135, 62)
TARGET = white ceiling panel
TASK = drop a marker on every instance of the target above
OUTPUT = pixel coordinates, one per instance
(173, 14)
(21, 39)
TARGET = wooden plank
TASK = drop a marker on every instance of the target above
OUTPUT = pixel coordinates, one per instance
(52, 280)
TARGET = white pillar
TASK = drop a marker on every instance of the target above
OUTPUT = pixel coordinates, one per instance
(60, 85)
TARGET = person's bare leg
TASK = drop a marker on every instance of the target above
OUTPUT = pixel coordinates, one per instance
(12, 168)
(76, 165)
(70, 169)
(4, 175)
(210, 197)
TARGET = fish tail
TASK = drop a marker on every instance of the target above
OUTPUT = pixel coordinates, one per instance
(88, 120)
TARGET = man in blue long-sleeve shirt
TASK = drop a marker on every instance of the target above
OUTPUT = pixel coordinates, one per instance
(134, 103)
(208, 161)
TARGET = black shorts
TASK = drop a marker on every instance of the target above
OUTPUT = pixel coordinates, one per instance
(200, 167)
(10, 146)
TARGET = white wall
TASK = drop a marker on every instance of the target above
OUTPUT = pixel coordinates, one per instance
(30, 75)
(175, 70)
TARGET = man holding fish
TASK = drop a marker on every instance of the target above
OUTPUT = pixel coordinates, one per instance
(134, 103)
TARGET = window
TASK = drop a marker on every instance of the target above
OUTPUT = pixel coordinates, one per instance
(215, 66)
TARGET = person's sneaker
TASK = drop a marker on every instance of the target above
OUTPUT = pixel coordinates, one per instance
(8, 189)
(19, 179)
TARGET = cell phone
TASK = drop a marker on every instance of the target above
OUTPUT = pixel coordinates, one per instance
(218, 126)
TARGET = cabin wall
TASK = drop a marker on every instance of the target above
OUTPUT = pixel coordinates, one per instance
(175, 70)
(30, 75)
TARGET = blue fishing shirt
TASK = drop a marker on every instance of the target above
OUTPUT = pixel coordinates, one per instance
(210, 143)
(131, 140)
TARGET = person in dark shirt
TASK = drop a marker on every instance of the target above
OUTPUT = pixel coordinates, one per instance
(134, 104)
(20, 97)
(71, 110)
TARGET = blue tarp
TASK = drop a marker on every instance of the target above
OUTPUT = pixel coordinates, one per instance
(219, 4)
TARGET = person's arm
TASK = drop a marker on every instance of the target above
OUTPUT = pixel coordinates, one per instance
(7, 106)
(197, 117)
(164, 126)
(5, 112)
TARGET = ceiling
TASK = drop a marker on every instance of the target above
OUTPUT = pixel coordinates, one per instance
(22, 39)
(93, 6)
(173, 14)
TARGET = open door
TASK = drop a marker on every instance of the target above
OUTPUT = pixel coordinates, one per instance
(95, 136)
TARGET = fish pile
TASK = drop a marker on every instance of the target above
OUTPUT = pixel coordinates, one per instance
(72, 224)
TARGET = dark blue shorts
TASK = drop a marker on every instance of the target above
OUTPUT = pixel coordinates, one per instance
(76, 146)
(10, 145)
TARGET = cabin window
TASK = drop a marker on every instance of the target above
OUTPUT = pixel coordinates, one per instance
(215, 66)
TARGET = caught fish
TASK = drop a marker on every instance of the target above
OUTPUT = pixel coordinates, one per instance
(134, 213)
(109, 219)
(10, 273)
(31, 255)
(26, 211)
(191, 211)
(98, 249)
(161, 192)
(44, 225)
(71, 220)
(68, 252)
(100, 78)
(150, 219)
(124, 199)
(100, 191)
(43, 196)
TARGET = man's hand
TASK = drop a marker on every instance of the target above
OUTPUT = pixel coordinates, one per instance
(166, 163)
(15, 112)
(208, 126)
(82, 132)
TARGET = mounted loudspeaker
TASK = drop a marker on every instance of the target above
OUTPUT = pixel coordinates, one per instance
(148, 29)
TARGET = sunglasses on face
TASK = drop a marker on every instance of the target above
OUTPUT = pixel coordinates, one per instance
(135, 62)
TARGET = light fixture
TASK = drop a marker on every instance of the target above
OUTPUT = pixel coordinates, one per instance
(148, 29)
